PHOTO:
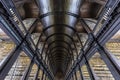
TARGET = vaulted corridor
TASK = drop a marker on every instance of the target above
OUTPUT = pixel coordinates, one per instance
(59, 39)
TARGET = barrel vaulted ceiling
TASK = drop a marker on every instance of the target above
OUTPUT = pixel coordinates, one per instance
(61, 24)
